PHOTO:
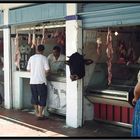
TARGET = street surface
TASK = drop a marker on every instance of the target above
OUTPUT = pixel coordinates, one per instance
(8, 129)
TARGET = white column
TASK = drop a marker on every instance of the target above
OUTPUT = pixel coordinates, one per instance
(74, 93)
(7, 63)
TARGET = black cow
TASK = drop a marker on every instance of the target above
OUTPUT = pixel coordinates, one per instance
(77, 63)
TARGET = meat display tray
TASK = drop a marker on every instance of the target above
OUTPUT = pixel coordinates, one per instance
(121, 97)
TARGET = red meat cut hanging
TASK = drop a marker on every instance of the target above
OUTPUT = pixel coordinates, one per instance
(109, 52)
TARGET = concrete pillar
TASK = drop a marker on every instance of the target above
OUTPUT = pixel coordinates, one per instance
(74, 92)
(7, 63)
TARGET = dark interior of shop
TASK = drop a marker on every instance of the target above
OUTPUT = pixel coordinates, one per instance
(53, 36)
(125, 61)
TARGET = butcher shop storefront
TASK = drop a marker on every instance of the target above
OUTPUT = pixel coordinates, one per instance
(50, 24)
(30, 26)
(111, 38)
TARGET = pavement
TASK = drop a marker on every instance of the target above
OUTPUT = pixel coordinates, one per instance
(17, 123)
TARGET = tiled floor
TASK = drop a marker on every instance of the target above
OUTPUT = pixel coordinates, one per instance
(55, 126)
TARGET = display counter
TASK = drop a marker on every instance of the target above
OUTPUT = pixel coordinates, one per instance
(56, 101)
(58, 78)
(120, 91)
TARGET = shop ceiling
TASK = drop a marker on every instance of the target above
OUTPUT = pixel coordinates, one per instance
(122, 29)
(36, 26)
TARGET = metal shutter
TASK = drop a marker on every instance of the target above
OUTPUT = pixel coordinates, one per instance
(109, 14)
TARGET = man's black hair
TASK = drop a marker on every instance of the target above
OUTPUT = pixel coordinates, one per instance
(40, 48)
(57, 48)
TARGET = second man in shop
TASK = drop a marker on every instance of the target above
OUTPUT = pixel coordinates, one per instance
(57, 61)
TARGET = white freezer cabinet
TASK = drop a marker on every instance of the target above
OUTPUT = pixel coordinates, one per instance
(56, 98)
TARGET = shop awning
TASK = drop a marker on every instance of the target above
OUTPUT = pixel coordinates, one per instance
(109, 14)
(37, 13)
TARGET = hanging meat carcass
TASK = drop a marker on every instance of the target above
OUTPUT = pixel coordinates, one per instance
(62, 42)
(56, 34)
(43, 36)
(33, 40)
(29, 39)
(17, 52)
(109, 52)
(61, 39)
(38, 40)
(33, 45)
(99, 42)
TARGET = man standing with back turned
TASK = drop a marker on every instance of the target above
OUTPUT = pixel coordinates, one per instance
(39, 68)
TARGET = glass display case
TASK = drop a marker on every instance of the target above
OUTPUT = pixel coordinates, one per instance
(120, 65)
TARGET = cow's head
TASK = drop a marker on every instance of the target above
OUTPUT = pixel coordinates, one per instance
(77, 66)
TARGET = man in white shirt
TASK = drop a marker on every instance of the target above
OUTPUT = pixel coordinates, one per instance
(39, 68)
(56, 60)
